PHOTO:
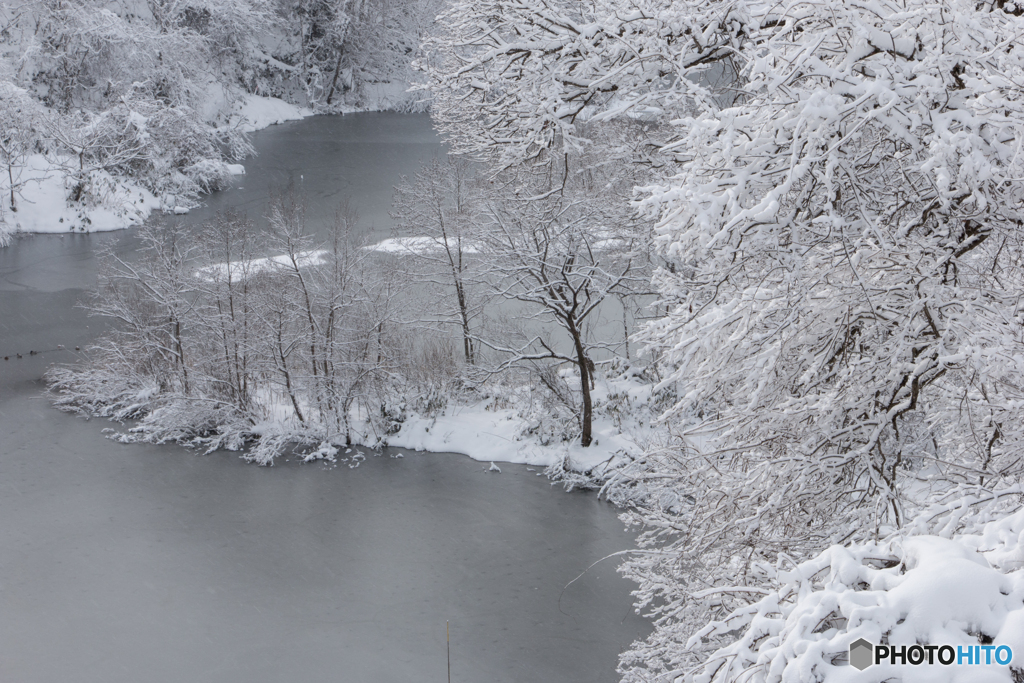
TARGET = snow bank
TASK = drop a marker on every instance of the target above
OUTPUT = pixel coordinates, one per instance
(43, 206)
(490, 435)
(927, 590)
(252, 112)
(509, 429)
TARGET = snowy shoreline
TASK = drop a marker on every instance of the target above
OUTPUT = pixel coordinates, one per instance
(483, 431)
(44, 183)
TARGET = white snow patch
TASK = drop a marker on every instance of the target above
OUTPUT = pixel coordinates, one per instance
(415, 245)
(42, 201)
(489, 435)
(252, 112)
(242, 269)
(933, 590)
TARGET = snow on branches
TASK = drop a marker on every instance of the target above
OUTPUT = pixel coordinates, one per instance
(843, 286)
(797, 623)
(516, 78)
(846, 249)
(839, 190)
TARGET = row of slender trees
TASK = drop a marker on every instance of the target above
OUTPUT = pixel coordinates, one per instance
(217, 344)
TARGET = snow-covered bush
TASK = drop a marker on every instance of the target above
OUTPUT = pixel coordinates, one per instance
(797, 620)
(209, 175)
(165, 149)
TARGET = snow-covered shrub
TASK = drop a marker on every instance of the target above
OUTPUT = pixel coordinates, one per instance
(111, 388)
(795, 622)
(209, 175)
(432, 376)
(166, 149)
(392, 417)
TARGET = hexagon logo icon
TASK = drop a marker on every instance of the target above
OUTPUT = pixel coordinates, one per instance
(861, 654)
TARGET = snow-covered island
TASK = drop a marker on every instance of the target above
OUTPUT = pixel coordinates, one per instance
(750, 270)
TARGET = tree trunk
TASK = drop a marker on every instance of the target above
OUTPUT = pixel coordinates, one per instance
(176, 325)
(467, 341)
(287, 374)
(10, 174)
(586, 380)
(337, 71)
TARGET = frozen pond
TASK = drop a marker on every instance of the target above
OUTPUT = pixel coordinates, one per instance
(145, 563)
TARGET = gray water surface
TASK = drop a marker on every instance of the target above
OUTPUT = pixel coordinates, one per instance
(153, 563)
(330, 160)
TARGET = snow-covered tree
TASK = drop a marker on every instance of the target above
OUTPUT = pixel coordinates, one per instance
(839, 203)
(435, 214)
(844, 307)
(21, 119)
(340, 45)
(847, 247)
(519, 78)
(560, 245)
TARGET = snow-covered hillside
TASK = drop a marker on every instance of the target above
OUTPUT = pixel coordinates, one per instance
(112, 109)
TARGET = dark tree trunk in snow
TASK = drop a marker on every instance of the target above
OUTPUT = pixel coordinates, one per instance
(337, 72)
(585, 366)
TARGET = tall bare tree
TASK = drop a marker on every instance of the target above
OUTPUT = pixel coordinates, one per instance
(561, 244)
(435, 214)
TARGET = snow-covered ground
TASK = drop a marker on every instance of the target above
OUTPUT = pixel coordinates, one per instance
(43, 206)
(250, 113)
(504, 434)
